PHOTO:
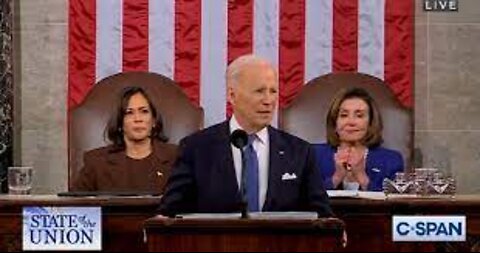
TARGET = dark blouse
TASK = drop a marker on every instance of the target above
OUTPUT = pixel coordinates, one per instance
(106, 170)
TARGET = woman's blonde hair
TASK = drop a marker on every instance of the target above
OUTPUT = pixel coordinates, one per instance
(373, 137)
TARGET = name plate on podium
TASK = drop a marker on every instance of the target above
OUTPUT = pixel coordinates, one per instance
(62, 228)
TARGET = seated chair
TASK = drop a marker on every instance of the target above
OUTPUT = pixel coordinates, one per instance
(306, 116)
(87, 121)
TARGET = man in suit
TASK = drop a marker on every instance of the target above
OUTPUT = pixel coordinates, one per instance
(207, 174)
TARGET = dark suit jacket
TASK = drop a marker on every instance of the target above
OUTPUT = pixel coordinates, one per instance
(108, 170)
(203, 178)
(381, 163)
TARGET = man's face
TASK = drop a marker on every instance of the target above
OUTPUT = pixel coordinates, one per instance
(254, 96)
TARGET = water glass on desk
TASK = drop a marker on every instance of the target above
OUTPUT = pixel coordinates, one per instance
(20, 180)
(400, 185)
(422, 177)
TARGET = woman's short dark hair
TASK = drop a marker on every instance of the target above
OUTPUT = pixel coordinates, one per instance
(114, 129)
(373, 137)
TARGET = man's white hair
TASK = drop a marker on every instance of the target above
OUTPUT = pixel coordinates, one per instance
(237, 66)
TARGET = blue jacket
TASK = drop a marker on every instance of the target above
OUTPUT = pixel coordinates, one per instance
(203, 178)
(381, 163)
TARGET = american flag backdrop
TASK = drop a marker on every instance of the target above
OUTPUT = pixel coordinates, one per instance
(192, 41)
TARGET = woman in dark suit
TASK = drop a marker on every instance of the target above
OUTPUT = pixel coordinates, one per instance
(353, 157)
(138, 158)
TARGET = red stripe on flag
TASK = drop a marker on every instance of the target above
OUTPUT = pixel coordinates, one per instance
(135, 35)
(292, 49)
(187, 47)
(240, 32)
(240, 29)
(399, 48)
(345, 35)
(81, 49)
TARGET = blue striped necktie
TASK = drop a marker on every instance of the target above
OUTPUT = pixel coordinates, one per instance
(251, 163)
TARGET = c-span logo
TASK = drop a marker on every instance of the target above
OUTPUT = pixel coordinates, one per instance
(429, 228)
(62, 228)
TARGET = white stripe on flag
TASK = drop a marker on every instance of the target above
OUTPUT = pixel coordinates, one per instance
(213, 61)
(265, 34)
(161, 29)
(318, 38)
(109, 38)
(371, 37)
(265, 29)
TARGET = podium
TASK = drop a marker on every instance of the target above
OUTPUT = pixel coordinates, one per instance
(228, 232)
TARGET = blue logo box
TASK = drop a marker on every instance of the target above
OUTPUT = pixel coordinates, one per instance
(429, 228)
(62, 228)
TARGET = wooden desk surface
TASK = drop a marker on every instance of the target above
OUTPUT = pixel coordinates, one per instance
(7, 200)
(122, 218)
(368, 222)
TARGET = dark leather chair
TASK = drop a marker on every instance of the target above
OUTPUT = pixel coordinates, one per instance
(307, 115)
(87, 121)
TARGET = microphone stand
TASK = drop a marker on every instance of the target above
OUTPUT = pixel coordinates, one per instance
(243, 183)
(239, 139)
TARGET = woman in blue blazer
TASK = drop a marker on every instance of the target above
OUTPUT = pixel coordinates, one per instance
(353, 158)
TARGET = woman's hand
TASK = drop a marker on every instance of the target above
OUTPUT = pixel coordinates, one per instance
(356, 164)
(341, 160)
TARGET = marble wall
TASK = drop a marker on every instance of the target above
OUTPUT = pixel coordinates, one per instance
(447, 91)
(41, 98)
(6, 90)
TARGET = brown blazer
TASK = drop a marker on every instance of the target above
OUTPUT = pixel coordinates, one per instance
(107, 170)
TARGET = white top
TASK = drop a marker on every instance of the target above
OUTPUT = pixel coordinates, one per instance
(262, 147)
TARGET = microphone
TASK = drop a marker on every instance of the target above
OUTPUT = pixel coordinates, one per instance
(239, 139)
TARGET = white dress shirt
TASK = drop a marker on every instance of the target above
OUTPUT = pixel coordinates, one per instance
(262, 148)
